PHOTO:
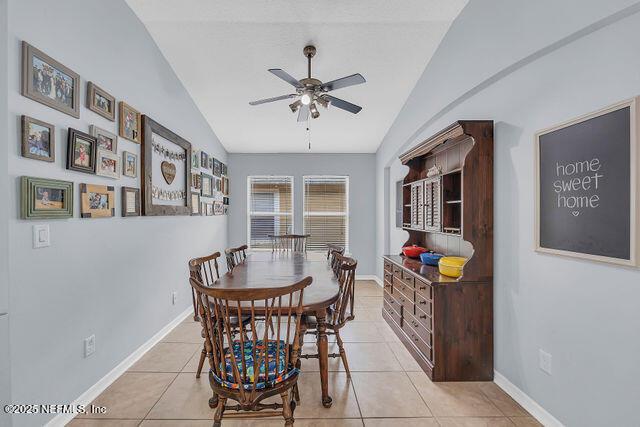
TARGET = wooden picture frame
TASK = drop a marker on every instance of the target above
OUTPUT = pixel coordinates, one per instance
(634, 187)
(207, 185)
(97, 201)
(107, 164)
(48, 82)
(129, 122)
(129, 164)
(151, 127)
(101, 102)
(204, 160)
(195, 203)
(29, 144)
(130, 201)
(195, 159)
(42, 198)
(106, 140)
(217, 168)
(78, 159)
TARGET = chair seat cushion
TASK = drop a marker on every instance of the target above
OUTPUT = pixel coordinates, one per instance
(266, 377)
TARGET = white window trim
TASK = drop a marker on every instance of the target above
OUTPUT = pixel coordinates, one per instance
(346, 214)
(249, 213)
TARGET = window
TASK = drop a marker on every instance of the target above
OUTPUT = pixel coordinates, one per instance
(326, 211)
(270, 208)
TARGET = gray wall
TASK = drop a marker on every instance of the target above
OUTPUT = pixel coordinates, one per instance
(359, 167)
(110, 277)
(527, 66)
(5, 373)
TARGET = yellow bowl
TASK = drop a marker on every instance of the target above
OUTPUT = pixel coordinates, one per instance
(451, 265)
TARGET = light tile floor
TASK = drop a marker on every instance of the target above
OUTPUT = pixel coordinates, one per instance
(387, 387)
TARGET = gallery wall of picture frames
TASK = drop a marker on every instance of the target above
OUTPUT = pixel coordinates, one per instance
(171, 173)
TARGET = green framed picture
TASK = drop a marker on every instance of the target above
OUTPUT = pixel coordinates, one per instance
(43, 198)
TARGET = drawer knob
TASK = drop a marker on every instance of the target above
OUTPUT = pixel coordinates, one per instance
(422, 302)
(414, 323)
(423, 316)
(422, 288)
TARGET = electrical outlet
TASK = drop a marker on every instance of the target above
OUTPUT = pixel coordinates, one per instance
(544, 359)
(174, 298)
(89, 346)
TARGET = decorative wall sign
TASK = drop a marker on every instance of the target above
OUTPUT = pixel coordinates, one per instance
(587, 186)
(106, 140)
(97, 201)
(49, 82)
(130, 201)
(165, 191)
(42, 198)
(99, 101)
(218, 208)
(168, 171)
(38, 139)
(81, 151)
(129, 123)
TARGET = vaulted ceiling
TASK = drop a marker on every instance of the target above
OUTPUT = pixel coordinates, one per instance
(221, 51)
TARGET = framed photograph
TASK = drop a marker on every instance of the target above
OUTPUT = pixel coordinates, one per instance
(195, 180)
(209, 207)
(129, 123)
(107, 164)
(207, 185)
(129, 164)
(218, 184)
(130, 201)
(42, 198)
(38, 140)
(81, 151)
(166, 171)
(217, 167)
(97, 201)
(218, 208)
(210, 166)
(106, 140)
(224, 169)
(100, 102)
(225, 186)
(195, 203)
(195, 159)
(47, 81)
(587, 187)
(204, 160)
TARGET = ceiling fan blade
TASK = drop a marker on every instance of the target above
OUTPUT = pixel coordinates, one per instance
(275, 98)
(303, 113)
(352, 80)
(343, 105)
(286, 77)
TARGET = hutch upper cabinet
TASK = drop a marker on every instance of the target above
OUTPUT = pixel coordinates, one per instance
(446, 323)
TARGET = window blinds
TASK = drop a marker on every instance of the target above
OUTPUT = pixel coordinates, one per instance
(326, 211)
(270, 208)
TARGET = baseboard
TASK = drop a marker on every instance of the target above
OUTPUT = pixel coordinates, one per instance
(370, 277)
(537, 411)
(94, 391)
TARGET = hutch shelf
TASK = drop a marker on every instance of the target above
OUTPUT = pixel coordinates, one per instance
(447, 201)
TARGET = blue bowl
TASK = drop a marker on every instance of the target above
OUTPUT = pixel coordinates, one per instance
(430, 258)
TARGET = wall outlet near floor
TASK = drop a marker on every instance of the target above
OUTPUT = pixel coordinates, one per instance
(89, 345)
(544, 359)
(174, 298)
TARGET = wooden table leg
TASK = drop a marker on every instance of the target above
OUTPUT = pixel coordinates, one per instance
(323, 357)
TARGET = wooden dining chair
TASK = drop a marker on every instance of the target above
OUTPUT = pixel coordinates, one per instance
(340, 313)
(205, 270)
(248, 370)
(333, 260)
(230, 255)
(289, 242)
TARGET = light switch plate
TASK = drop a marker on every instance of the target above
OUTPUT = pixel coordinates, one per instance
(89, 345)
(544, 360)
(41, 236)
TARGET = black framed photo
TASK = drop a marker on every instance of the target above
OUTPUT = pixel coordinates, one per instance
(81, 151)
(204, 160)
(99, 101)
(38, 139)
(130, 201)
(47, 81)
(217, 167)
(42, 198)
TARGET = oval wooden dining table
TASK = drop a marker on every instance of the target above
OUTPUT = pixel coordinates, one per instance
(269, 270)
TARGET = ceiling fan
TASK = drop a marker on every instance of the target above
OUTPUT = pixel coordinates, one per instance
(310, 92)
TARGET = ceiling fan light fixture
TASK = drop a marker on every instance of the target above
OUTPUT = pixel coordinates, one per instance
(306, 98)
(294, 106)
(313, 109)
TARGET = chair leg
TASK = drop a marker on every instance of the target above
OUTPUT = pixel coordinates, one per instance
(217, 418)
(343, 354)
(287, 413)
(203, 355)
(296, 393)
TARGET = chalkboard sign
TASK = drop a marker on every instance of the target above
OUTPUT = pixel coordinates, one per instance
(587, 186)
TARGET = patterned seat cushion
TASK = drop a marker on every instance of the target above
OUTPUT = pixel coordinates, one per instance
(275, 374)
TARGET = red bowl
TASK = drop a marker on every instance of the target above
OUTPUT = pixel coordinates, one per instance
(413, 251)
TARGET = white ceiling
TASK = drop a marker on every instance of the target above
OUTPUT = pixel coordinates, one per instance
(221, 51)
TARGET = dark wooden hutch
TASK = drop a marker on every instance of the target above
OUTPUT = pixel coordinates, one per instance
(446, 323)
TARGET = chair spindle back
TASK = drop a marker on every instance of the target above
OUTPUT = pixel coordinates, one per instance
(344, 306)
